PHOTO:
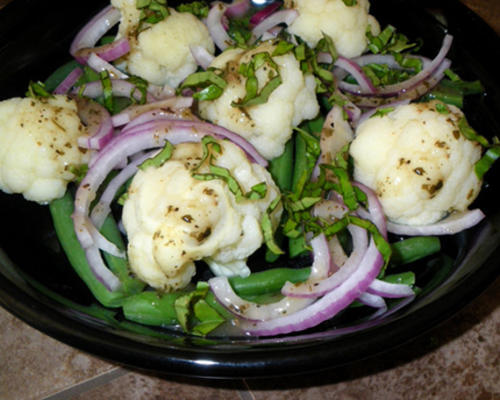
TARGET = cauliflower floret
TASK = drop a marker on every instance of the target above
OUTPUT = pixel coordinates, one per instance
(267, 126)
(417, 161)
(38, 144)
(160, 53)
(173, 219)
(346, 25)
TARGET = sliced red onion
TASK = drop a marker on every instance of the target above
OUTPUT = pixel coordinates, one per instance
(316, 288)
(251, 311)
(365, 84)
(322, 264)
(390, 290)
(161, 92)
(98, 122)
(372, 300)
(387, 59)
(264, 13)
(98, 64)
(204, 128)
(100, 270)
(329, 305)
(93, 31)
(280, 17)
(172, 107)
(215, 27)
(102, 243)
(68, 82)
(424, 74)
(454, 223)
(120, 88)
(102, 208)
(238, 8)
(375, 212)
(411, 94)
(107, 52)
(202, 56)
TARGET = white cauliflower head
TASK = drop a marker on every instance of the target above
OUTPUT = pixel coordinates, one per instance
(38, 146)
(161, 52)
(173, 219)
(346, 25)
(267, 126)
(417, 161)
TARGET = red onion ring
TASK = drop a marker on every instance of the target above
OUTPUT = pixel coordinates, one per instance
(164, 124)
(372, 300)
(391, 290)
(317, 288)
(264, 13)
(450, 225)
(102, 207)
(215, 26)
(68, 82)
(120, 88)
(98, 122)
(251, 311)
(173, 108)
(99, 64)
(327, 306)
(92, 32)
(202, 56)
(284, 16)
(238, 8)
(365, 85)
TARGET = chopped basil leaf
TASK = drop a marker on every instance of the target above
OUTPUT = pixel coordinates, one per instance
(152, 11)
(211, 83)
(142, 86)
(470, 133)
(159, 159)
(283, 47)
(382, 111)
(37, 90)
(486, 161)
(198, 8)
(442, 109)
(107, 90)
(389, 41)
(350, 3)
(194, 317)
(252, 95)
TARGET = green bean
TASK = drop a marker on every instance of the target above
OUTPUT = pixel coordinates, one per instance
(281, 168)
(61, 210)
(413, 249)
(152, 308)
(268, 281)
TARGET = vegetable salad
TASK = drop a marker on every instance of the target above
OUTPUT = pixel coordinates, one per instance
(182, 141)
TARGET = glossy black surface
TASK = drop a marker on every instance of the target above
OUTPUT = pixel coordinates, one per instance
(30, 253)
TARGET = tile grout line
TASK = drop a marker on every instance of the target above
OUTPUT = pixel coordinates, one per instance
(246, 394)
(88, 384)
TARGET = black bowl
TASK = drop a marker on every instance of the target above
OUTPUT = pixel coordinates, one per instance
(38, 285)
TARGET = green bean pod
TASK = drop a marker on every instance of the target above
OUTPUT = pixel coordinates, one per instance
(413, 249)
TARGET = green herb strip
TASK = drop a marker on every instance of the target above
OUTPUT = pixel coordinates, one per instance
(159, 159)
(209, 81)
(107, 90)
(253, 96)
